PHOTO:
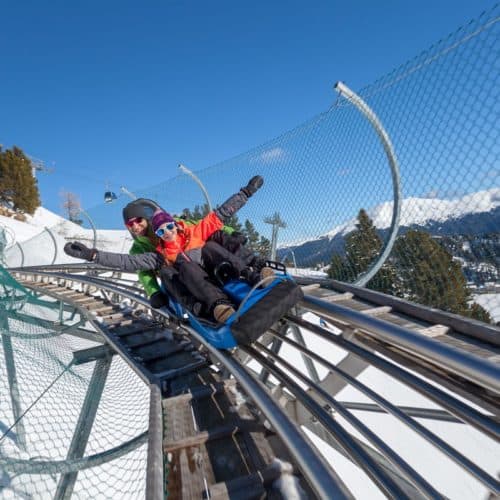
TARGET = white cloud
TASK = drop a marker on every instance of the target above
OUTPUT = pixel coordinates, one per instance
(272, 155)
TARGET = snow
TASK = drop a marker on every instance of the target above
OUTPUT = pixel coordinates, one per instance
(447, 477)
(490, 302)
(419, 211)
(36, 238)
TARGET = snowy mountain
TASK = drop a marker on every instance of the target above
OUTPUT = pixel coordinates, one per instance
(475, 214)
(425, 211)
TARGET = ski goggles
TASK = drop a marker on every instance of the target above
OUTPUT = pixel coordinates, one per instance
(161, 230)
(134, 220)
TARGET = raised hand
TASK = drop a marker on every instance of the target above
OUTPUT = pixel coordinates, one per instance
(80, 251)
(253, 185)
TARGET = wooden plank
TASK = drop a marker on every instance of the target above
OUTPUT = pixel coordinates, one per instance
(188, 469)
(434, 330)
(96, 305)
(337, 297)
(377, 311)
(119, 323)
(66, 292)
(111, 317)
(83, 300)
(188, 473)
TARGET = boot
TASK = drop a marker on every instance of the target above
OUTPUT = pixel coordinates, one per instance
(222, 312)
(253, 277)
(266, 273)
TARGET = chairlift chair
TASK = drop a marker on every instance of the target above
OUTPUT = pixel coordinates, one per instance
(109, 196)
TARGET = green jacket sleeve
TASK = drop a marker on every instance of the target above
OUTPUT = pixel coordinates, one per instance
(147, 278)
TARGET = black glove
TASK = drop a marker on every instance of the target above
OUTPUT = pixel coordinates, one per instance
(158, 299)
(80, 251)
(253, 184)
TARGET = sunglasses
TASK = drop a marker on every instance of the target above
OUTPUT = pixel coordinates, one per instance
(134, 220)
(161, 230)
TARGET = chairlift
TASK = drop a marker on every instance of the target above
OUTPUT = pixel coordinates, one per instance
(109, 196)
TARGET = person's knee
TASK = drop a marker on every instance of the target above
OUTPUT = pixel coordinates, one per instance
(211, 247)
(191, 270)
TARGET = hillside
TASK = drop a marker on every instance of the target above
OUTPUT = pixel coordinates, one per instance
(43, 236)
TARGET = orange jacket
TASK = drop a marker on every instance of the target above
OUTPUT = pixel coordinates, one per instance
(189, 237)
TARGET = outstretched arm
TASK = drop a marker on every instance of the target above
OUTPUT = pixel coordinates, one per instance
(148, 261)
(235, 202)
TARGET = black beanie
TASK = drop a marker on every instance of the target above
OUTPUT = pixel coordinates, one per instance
(141, 207)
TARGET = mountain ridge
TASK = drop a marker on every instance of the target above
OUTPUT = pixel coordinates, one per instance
(475, 214)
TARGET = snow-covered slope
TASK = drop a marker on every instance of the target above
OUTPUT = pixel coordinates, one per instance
(41, 239)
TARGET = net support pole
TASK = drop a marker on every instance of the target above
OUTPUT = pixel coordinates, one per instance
(186, 170)
(91, 222)
(55, 244)
(370, 115)
(84, 425)
(13, 386)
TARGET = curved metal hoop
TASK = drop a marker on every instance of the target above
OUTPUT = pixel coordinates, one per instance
(343, 90)
(23, 466)
(186, 170)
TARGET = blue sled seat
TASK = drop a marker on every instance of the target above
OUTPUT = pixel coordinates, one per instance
(263, 308)
(258, 310)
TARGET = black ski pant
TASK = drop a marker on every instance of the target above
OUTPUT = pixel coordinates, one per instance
(213, 254)
(189, 283)
(235, 244)
(187, 280)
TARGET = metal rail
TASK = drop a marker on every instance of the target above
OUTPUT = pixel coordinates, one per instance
(400, 477)
(320, 476)
(479, 371)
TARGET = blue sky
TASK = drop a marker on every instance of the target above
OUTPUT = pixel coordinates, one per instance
(122, 92)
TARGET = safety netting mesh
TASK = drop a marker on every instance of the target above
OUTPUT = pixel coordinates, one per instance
(332, 192)
(329, 195)
(326, 206)
(50, 443)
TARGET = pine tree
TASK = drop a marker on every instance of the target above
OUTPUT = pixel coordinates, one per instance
(431, 277)
(197, 213)
(252, 235)
(186, 214)
(264, 247)
(17, 183)
(362, 245)
(478, 312)
(338, 269)
(234, 223)
(362, 248)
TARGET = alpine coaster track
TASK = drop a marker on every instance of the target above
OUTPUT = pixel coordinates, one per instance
(229, 423)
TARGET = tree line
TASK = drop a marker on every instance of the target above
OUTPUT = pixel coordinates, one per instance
(18, 185)
(419, 269)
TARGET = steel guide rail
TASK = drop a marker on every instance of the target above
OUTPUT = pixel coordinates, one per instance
(374, 470)
(456, 407)
(319, 475)
(490, 482)
(480, 372)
